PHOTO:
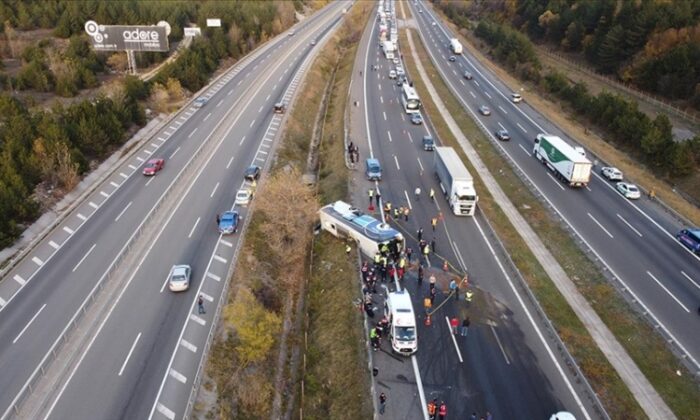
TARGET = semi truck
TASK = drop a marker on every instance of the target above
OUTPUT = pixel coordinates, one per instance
(455, 180)
(566, 162)
(455, 46)
(389, 50)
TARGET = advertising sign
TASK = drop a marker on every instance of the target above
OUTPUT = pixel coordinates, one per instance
(215, 23)
(122, 37)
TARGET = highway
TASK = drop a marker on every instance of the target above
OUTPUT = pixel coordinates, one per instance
(632, 240)
(508, 364)
(143, 355)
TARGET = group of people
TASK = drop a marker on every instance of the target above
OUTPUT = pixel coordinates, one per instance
(380, 330)
(353, 153)
(435, 409)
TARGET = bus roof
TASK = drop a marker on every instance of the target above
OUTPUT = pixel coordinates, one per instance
(409, 91)
(360, 222)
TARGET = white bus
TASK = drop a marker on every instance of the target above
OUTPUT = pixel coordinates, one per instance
(409, 99)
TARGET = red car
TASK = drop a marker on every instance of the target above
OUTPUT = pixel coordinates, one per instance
(153, 166)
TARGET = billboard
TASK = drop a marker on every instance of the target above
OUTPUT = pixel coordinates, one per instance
(124, 37)
(214, 23)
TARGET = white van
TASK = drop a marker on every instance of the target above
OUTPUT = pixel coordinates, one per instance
(392, 74)
(398, 309)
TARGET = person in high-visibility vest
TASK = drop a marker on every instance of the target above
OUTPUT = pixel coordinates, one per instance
(469, 295)
(371, 194)
(433, 222)
(432, 194)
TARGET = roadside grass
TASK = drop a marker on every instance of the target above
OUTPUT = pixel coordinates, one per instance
(645, 346)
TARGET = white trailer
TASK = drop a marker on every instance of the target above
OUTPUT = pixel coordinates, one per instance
(455, 46)
(455, 181)
(389, 49)
(567, 163)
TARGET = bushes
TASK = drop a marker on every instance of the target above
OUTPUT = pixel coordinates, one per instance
(511, 48)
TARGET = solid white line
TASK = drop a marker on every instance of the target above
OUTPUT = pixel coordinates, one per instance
(29, 323)
(419, 384)
(68, 230)
(521, 127)
(177, 375)
(690, 280)
(629, 225)
(84, 256)
(397, 163)
(454, 340)
(503, 351)
(214, 190)
(459, 255)
(525, 150)
(557, 183)
(3, 302)
(122, 212)
(408, 200)
(189, 346)
(207, 117)
(176, 150)
(129, 354)
(669, 292)
(194, 227)
(165, 411)
(220, 259)
(197, 319)
(213, 277)
(19, 280)
(192, 133)
(54, 245)
(37, 261)
(600, 225)
(81, 217)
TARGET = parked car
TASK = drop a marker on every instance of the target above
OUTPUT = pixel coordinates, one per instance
(228, 222)
(516, 97)
(153, 166)
(416, 118)
(611, 173)
(484, 110)
(243, 196)
(279, 108)
(392, 74)
(452, 58)
(428, 143)
(628, 190)
(179, 278)
(468, 75)
(690, 238)
(252, 173)
(502, 134)
(373, 170)
(200, 102)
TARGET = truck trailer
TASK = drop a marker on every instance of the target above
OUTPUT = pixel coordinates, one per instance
(567, 163)
(455, 46)
(456, 182)
(389, 49)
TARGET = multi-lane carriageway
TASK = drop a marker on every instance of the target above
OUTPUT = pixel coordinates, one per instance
(634, 241)
(145, 346)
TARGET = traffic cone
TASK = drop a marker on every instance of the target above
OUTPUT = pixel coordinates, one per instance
(428, 322)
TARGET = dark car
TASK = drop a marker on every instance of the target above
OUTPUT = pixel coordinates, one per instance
(452, 58)
(428, 143)
(252, 173)
(279, 108)
(153, 166)
(502, 135)
(690, 238)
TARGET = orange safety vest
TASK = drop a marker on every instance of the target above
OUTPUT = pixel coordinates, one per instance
(431, 408)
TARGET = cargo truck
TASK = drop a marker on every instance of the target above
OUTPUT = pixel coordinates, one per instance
(567, 163)
(455, 46)
(389, 50)
(455, 181)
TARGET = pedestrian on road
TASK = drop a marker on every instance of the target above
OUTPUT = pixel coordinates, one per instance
(433, 222)
(442, 411)
(432, 409)
(409, 254)
(432, 296)
(406, 211)
(432, 194)
(473, 416)
(489, 416)
(370, 193)
(465, 329)
(378, 197)
(453, 288)
(218, 219)
(469, 296)
(382, 403)
(420, 274)
(417, 193)
(432, 281)
(348, 249)
(420, 234)
(454, 324)
(200, 305)
(374, 338)
(426, 250)
(432, 244)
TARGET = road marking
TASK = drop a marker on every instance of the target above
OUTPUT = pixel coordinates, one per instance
(140, 159)
(37, 261)
(669, 292)
(131, 350)
(81, 217)
(175, 152)
(600, 225)
(487, 94)
(104, 194)
(29, 323)
(177, 375)
(421, 165)
(214, 190)
(194, 227)
(167, 133)
(154, 145)
(261, 108)
(206, 297)
(172, 128)
(397, 163)
(150, 180)
(122, 212)
(197, 319)
(463, 84)
(229, 162)
(630, 226)
(189, 346)
(132, 166)
(477, 83)
(54, 245)
(220, 102)
(3, 302)
(19, 280)
(114, 184)
(558, 184)
(161, 139)
(381, 99)
(251, 123)
(192, 133)
(521, 127)
(68, 230)
(389, 134)
(691, 280)
(123, 175)
(458, 253)
(384, 113)
(409, 137)
(213, 277)
(503, 110)
(503, 351)
(408, 200)
(220, 259)
(454, 340)
(380, 86)
(241, 142)
(165, 411)
(472, 93)
(501, 125)
(207, 117)
(268, 98)
(227, 243)
(93, 205)
(148, 152)
(84, 256)
(262, 151)
(524, 149)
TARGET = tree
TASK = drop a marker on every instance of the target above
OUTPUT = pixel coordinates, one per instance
(256, 328)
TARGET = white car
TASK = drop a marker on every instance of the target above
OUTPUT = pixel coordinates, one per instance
(484, 110)
(400, 71)
(434, 23)
(396, 60)
(392, 74)
(516, 97)
(200, 102)
(243, 197)
(628, 190)
(611, 173)
(179, 278)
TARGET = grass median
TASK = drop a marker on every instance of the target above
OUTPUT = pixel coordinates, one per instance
(645, 346)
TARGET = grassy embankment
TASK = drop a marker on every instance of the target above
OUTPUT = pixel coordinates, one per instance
(644, 345)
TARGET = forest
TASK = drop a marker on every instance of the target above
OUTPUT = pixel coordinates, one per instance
(54, 147)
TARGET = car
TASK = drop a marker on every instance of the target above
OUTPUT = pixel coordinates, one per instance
(630, 191)
(400, 82)
(279, 108)
(153, 166)
(416, 118)
(400, 71)
(373, 170)
(392, 74)
(420, 10)
(468, 75)
(396, 60)
(244, 196)
(291, 33)
(252, 173)
(200, 102)
(179, 278)
(228, 222)
(611, 173)
(502, 134)
(313, 42)
(452, 58)
(428, 143)
(690, 238)
(516, 97)
(484, 110)
(434, 23)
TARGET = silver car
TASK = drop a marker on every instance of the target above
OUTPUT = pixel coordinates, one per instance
(179, 279)
(630, 191)
(484, 110)
(611, 173)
